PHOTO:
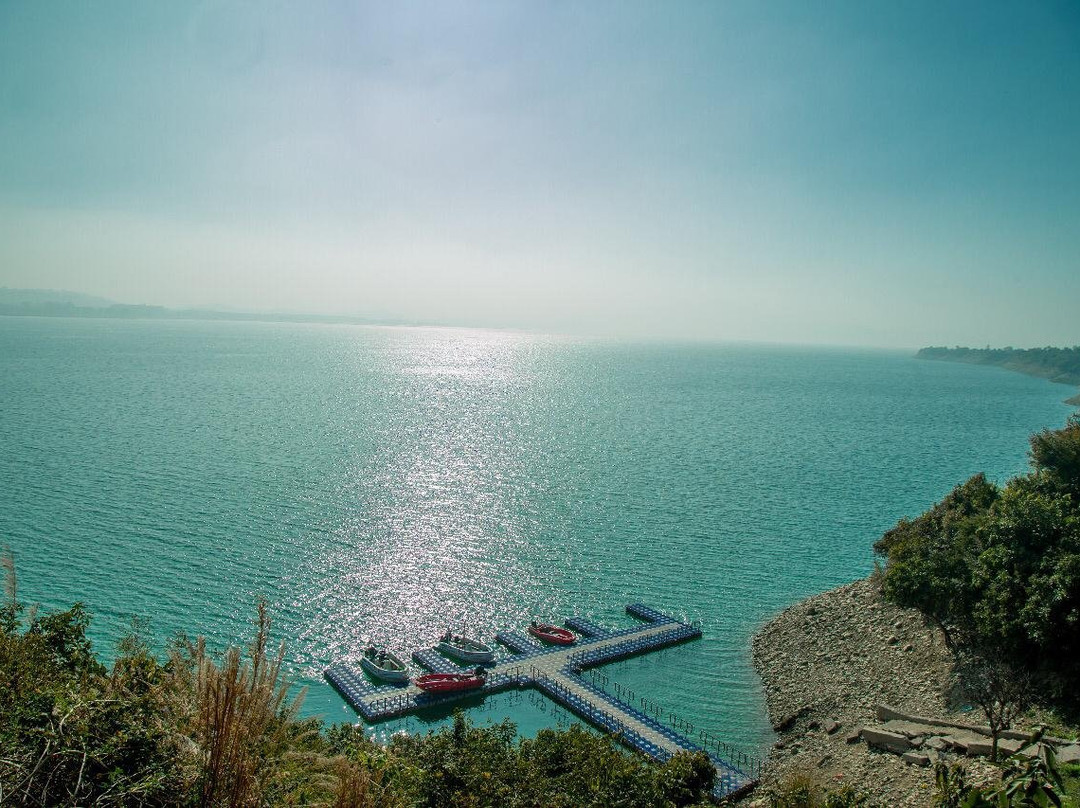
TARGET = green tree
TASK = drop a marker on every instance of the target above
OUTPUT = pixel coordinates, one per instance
(929, 558)
(1056, 455)
(998, 570)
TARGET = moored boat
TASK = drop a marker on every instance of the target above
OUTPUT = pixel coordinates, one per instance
(465, 648)
(384, 665)
(450, 682)
(552, 634)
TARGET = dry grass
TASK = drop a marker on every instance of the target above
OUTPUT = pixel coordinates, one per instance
(240, 719)
(247, 747)
(354, 788)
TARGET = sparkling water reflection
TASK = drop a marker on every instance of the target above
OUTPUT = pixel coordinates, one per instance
(384, 484)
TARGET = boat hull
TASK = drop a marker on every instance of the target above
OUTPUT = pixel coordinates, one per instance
(553, 634)
(449, 682)
(481, 654)
(386, 674)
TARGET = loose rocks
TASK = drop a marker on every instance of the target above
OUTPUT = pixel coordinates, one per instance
(832, 659)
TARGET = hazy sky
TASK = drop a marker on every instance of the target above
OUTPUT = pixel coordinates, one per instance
(877, 173)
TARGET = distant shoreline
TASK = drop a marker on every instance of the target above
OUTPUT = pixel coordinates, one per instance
(1059, 365)
(123, 311)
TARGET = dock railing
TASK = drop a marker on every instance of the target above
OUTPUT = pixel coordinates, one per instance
(591, 712)
(710, 743)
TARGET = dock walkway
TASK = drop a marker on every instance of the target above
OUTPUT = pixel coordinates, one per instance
(556, 671)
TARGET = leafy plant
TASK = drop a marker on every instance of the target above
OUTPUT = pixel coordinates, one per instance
(1031, 779)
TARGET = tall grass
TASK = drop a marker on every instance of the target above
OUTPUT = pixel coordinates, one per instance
(240, 717)
(249, 748)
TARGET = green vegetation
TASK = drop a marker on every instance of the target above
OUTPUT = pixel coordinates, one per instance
(1056, 364)
(805, 789)
(1035, 781)
(195, 730)
(998, 570)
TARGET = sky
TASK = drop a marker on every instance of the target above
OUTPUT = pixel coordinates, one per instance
(855, 173)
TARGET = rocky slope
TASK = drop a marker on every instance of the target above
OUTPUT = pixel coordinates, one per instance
(826, 663)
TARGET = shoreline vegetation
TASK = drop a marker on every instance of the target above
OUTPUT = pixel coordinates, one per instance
(1061, 365)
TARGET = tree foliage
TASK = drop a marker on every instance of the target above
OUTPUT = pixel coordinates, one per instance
(73, 733)
(1055, 455)
(998, 569)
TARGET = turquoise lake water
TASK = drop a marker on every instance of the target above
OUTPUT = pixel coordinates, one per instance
(386, 483)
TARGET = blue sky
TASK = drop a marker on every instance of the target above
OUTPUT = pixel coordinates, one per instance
(856, 173)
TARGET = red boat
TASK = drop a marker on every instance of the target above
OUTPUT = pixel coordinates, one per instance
(552, 634)
(449, 682)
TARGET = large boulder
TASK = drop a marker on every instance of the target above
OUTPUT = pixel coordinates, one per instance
(883, 739)
(915, 759)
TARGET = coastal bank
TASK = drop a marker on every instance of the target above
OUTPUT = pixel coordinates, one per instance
(827, 664)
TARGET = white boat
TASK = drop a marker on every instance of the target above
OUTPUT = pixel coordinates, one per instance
(465, 648)
(384, 665)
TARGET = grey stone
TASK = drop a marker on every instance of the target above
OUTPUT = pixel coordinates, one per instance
(886, 713)
(831, 727)
(960, 740)
(916, 759)
(854, 736)
(882, 739)
(908, 728)
(937, 743)
(788, 722)
(1008, 746)
(1069, 754)
(984, 747)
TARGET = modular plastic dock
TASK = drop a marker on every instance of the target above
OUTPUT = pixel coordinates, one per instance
(555, 671)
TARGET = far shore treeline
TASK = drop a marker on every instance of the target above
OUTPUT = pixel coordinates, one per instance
(48, 303)
(1056, 364)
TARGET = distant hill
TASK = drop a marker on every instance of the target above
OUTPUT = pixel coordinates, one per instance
(49, 297)
(54, 303)
(1056, 364)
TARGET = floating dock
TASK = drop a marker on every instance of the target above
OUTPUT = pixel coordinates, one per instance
(556, 672)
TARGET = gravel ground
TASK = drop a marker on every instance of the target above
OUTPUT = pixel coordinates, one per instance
(832, 659)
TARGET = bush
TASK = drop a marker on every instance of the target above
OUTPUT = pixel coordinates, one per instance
(998, 570)
(805, 790)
